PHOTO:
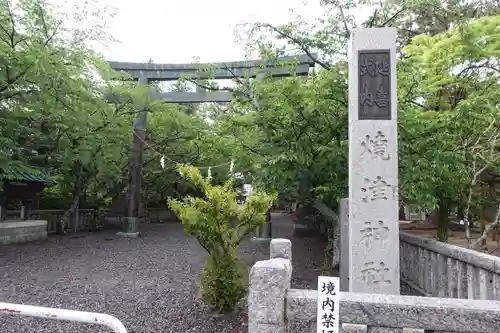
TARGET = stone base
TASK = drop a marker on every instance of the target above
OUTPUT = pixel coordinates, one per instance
(303, 230)
(129, 234)
(260, 240)
(17, 232)
(263, 231)
(130, 226)
(351, 328)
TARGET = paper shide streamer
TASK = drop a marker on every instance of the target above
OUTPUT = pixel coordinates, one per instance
(209, 173)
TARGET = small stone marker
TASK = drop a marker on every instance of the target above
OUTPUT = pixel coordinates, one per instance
(373, 162)
(328, 320)
(344, 244)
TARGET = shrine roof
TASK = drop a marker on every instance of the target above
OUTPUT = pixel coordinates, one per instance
(21, 173)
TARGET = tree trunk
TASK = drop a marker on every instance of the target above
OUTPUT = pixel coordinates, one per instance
(433, 217)
(270, 225)
(461, 213)
(443, 223)
(483, 219)
(305, 199)
(61, 226)
(402, 215)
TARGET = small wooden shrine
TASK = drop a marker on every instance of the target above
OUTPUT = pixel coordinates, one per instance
(22, 184)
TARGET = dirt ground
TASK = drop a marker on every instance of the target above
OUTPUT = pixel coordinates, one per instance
(455, 237)
(149, 283)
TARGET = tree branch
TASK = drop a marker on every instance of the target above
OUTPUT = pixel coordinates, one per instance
(296, 40)
(487, 230)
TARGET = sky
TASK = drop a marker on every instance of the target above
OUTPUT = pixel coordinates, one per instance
(184, 31)
(176, 31)
(179, 31)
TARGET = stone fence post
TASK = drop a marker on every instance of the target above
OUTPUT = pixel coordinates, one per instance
(269, 284)
(344, 244)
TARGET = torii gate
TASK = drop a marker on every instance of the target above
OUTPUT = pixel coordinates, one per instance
(144, 73)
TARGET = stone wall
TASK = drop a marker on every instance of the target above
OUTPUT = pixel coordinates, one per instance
(433, 268)
(274, 307)
(22, 231)
(437, 269)
(388, 313)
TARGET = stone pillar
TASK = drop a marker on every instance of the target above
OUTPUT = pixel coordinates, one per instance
(263, 232)
(23, 216)
(269, 284)
(407, 213)
(373, 162)
(344, 244)
(280, 248)
(76, 220)
(336, 243)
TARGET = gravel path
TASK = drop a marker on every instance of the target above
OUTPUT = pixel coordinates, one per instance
(150, 283)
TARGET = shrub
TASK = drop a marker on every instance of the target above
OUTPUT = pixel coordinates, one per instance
(224, 278)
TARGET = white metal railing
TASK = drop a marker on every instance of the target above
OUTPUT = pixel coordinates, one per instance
(61, 314)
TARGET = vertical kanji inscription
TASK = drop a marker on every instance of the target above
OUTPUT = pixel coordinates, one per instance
(328, 305)
(374, 69)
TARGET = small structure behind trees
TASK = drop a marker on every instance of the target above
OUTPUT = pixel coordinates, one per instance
(21, 186)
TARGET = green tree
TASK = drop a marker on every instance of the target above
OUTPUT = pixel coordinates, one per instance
(435, 104)
(220, 224)
(442, 136)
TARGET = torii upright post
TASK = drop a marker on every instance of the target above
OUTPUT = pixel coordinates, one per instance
(264, 231)
(131, 221)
